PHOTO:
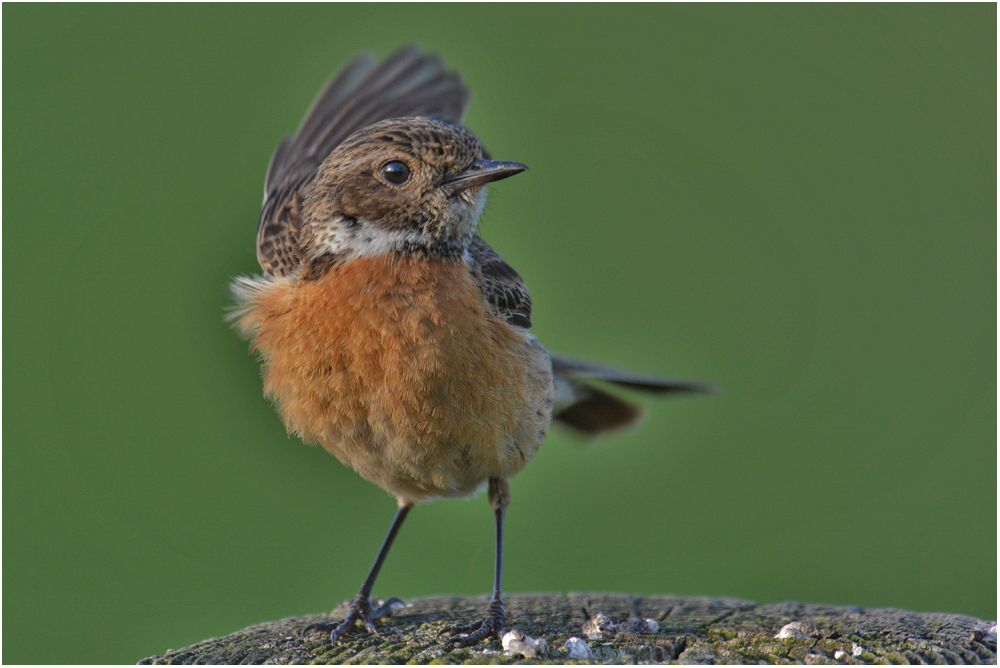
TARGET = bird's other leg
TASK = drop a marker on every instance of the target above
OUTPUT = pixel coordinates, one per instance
(361, 608)
(491, 625)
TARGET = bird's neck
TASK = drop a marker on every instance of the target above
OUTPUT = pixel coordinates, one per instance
(346, 238)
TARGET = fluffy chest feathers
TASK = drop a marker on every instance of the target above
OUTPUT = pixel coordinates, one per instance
(396, 366)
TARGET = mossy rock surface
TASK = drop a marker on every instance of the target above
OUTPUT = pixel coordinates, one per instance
(690, 630)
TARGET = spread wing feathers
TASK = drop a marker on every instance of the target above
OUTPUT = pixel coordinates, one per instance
(571, 368)
(591, 410)
(407, 83)
(505, 292)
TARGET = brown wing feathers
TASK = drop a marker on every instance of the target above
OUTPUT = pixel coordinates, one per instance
(503, 288)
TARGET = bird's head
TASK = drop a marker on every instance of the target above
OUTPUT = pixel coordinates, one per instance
(411, 185)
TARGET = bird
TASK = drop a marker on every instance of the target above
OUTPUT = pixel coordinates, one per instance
(389, 332)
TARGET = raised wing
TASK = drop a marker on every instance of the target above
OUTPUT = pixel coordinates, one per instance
(505, 292)
(589, 410)
(407, 83)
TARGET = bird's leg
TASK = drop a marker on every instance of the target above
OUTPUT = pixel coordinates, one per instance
(491, 625)
(361, 608)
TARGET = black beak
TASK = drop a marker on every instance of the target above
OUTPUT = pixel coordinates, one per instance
(482, 172)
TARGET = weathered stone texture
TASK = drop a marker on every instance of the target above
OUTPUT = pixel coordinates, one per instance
(643, 629)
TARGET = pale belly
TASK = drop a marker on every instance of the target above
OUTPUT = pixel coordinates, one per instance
(398, 368)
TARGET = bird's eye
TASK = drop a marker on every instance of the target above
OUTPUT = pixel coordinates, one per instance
(396, 172)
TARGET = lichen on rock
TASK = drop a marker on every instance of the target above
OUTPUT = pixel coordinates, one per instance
(683, 630)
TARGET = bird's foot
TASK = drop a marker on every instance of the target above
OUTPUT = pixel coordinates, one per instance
(491, 625)
(361, 611)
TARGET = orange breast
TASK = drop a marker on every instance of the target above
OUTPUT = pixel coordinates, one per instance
(396, 366)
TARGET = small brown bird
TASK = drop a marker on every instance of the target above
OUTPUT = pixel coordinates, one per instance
(390, 333)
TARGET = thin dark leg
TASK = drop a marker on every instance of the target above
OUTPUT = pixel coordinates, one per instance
(361, 608)
(498, 567)
(366, 588)
(492, 622)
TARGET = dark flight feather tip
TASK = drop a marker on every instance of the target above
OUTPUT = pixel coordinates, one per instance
(572, 368)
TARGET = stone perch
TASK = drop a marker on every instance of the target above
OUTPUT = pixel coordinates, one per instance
(615, 628)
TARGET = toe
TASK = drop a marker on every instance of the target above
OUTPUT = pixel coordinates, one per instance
(322, 627)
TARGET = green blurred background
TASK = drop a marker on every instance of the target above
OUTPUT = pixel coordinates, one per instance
(797, 203)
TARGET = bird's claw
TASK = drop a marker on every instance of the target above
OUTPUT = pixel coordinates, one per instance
(491, 625)
(361, 611)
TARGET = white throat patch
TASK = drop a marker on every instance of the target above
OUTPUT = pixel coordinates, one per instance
(348, 237)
